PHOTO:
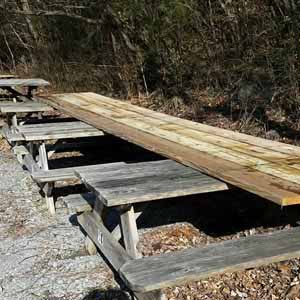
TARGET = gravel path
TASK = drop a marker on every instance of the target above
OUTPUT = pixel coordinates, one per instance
(41, 257)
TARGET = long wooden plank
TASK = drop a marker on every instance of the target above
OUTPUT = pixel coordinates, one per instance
(198, 127)
(157, 272)
(221, 161)
(34, 82)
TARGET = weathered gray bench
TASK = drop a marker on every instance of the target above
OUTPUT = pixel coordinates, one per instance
(166, 270)
(13, 109)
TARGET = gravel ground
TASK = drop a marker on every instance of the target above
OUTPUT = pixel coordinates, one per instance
(41, 257)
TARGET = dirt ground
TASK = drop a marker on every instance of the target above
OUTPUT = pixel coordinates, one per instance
(43, 257)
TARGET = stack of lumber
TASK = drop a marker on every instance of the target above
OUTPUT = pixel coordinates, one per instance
(267, 168)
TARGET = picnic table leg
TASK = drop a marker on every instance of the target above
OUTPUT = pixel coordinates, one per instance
(48, 189)
(98, 210)
(12, 121)
(90, 246)
(30, 91)
(155, 295)
(130, 232)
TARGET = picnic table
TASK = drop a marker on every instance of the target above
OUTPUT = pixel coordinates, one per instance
(9, 85)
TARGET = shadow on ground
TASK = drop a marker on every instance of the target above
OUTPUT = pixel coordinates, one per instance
(112, 294)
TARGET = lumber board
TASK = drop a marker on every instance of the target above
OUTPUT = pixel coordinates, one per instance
(266, 168)
(33, 82)
(147, 181)
(177, 268)
(28, 107)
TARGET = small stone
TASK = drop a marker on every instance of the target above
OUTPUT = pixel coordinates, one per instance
(233, 293)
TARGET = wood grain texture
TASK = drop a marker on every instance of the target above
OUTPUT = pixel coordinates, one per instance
(34, 82)
(266, 168)
(65, 174)
(170, 269)
(28, 107)
(146, 181)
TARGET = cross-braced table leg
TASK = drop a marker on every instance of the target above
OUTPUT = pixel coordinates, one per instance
(129, 231)
(99, 236)
(48, 188)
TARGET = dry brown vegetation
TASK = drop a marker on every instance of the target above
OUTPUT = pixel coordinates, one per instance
(237, 58)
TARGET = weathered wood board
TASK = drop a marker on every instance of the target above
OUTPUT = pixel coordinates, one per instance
(65, 174)
(157, 272)
(56, 131)
(28, 107)
(34, 82)
(7, 76)
(267, 168)
(147, 181)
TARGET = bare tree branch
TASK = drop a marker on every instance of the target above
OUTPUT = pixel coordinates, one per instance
(56, 13)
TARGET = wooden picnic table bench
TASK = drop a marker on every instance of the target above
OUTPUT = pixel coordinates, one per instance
(13, 109)
(30, 84)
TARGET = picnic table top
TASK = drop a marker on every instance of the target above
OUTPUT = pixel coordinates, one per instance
(34, 82)
(120, 183)
(267, 168)
(23, 107)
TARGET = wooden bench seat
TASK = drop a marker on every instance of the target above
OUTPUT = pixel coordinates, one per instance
(56, 131)
(26, 107)
(51, 131)
(146, 181)
(166, 270)
(65, 174)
